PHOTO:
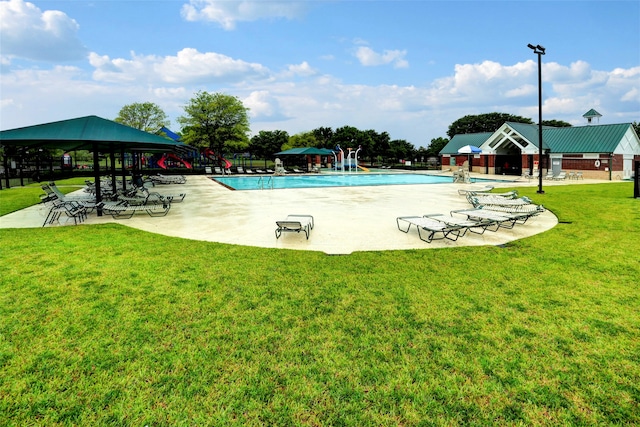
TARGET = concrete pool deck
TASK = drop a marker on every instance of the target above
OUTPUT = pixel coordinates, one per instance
(347, 219)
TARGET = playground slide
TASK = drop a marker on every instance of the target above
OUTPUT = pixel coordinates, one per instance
(172, 156)
(212, 155)
(227, 163)
(364, 169)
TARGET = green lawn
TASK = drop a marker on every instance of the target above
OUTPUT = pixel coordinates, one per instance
(106, 325)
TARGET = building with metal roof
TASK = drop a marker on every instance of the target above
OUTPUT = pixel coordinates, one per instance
(598, 151)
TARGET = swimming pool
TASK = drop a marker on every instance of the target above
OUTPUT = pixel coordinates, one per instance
(328, 180)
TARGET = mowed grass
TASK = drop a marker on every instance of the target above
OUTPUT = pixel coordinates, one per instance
(15, 198)
(106, 325)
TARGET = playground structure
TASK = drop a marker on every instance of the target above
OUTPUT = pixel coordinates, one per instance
(170, 156)
(211, 155)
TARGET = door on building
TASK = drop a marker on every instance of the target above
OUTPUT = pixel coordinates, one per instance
(507, 164)
(627, 167)
(556, 165)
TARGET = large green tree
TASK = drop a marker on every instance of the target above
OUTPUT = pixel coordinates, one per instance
(324, 136)
(436, 145)
(300, 140)
(145, 116)
(268, 142)
(217, 121)
(347, 137)
(556, 123)
(375, 145)
(489, 122)
(401, 149)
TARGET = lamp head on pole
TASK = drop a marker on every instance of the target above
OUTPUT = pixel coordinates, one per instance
(536, 49)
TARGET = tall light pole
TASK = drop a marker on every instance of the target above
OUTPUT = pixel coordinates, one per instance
(539, 50)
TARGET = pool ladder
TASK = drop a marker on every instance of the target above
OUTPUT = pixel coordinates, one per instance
(268, 183)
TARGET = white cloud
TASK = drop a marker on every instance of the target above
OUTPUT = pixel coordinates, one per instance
(302, 70)
(262, 104)
(228, 13)
(301, 98)
(370, 58)
(557, 73)
(29, 33)
(632, 95)
(188, 66)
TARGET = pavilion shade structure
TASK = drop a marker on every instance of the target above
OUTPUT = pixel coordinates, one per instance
(86, 133)
(304, 151)
(91, 133)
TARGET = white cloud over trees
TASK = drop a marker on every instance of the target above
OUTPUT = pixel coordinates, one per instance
(27, 32)
(295, 96)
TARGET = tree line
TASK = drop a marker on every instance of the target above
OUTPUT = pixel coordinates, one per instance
(221, 122)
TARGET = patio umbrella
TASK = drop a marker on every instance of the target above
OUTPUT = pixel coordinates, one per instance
(469, 149)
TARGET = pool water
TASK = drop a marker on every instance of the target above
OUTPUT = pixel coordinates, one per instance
(328, 180)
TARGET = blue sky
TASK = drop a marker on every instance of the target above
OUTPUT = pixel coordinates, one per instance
(409, 68)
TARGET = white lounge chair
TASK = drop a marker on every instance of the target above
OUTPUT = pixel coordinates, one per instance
(486, 189)
(526, 211)
(502, 219)
(429, 228)
(478, 226)
(168, 179)
(487, 200)
(120, 210)
(295, 223)
(561, 175)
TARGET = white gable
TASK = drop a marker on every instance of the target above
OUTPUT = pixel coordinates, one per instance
(507, 140)
(629, 144)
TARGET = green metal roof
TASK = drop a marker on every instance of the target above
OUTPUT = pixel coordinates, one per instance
(570, 140)
(302, 151)
(585, 139)
(530, 133)
(592, 113)
(86, 133)
(459, 141)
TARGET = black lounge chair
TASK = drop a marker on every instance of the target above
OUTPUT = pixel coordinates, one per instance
(57, 207)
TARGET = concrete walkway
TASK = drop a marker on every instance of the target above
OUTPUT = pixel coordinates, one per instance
(347, 219)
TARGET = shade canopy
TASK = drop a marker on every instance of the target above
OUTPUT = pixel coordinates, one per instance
(91, 133)
(304, 151)
(469, 149)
